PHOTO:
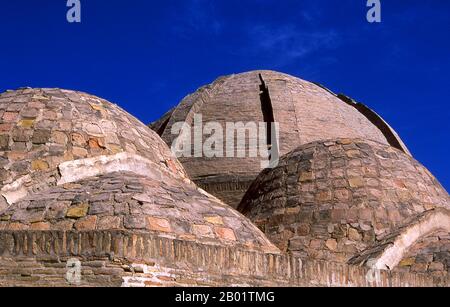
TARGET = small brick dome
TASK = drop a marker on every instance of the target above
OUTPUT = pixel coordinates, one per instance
(305, 112)
(332, 199)
(42, 128)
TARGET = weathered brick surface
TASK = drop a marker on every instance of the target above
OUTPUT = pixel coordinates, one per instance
(421, 244)
(129, 201)
(42, 128)
(430, 255)
(332, 200)
(83, 181)
(122, 258)
(305, 112)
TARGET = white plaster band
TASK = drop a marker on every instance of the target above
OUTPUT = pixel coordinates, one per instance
(73, 171)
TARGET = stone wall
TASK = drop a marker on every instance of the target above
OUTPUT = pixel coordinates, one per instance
(42, 128)
(120, 258)
(124, 200)
(430, 255)
(304, 111)
(226, 187)
(422, 245)
(332, 200)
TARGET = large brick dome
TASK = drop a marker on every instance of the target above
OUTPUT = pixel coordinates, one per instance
(306, 112)
(330, 200)
(42, 128)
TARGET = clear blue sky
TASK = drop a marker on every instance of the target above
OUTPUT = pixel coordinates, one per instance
(147, 55)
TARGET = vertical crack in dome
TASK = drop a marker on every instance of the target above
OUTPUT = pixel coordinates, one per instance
(269, 120)
(303, 112)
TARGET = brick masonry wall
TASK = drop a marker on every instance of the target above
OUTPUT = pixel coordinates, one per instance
(42, 128)
(305, 113)
(430, 255)
(332, 200)
(124, 200)
(120, 258)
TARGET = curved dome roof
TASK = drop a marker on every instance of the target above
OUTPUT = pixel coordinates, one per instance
(77, 162)
(306, 112)
(42, 128)
(132, 202)
(332, 199)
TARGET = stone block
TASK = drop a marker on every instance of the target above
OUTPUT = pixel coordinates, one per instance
(407, 262)
(87, 223)
(101, 208)
(4, 142)
(78, 211)
(78, 140)
(306, 176)
(342, 195)
(135, 222)
(303, 229)
(202, 231)
(10, 116)
(79, 152)
(356, 182)
(40, 226)
(354, 235)
(324, 196)
(39, 165)
(436, 266)
(216, 220)
(41, 136)
(224, 233)
(158, 224)
(29, 113)
(59, 137)
(331, 244)
(5, 127)
(109, 222)
(315, 244)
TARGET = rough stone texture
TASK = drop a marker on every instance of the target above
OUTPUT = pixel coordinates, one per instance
(421, 244)
(430, 255)
(129, 201)
(355, 192)
(123, 258)
(83, 182)
(305, 112)
(41, 128)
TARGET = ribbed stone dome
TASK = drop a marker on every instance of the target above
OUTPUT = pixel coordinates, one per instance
(331, 200)
(42, 128)
(306, 112)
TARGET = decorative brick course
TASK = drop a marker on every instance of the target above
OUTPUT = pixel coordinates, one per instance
(120, 258)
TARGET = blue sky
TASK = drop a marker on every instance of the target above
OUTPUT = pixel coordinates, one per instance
(147, 55)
